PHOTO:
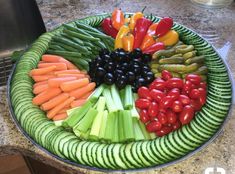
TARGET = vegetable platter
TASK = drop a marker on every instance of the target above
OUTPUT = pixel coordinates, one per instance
(120, 92)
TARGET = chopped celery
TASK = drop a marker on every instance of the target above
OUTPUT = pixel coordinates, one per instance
(115, 137)
(128, 101)
(98, 91)
(69, 112)
(95, 128)
(120, 127)
(85, 135)
(116, 97)
(85, 123)
(110, 103)
(127, 125)
(76, 132)
(58, 123)
(144, 131)
(103, 125)
(77, 115)
(134, 111)
(152, 135)
(108, 136)
(137, 130)
(122, 94)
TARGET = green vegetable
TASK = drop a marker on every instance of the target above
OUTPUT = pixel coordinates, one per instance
(110, 103)
(109, 130)
(103, 125)
(134, 112)
(137, 130)
(116, 97)
(96, 94)
(128, 97)
(80, 36)
(144, 131)
(127, 125)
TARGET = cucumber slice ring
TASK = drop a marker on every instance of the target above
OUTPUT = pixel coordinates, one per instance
(217, 82)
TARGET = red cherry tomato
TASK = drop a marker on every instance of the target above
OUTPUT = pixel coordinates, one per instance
(166, 75)
(158, 84)
(177, 106)
(184, 99)
(186, 115)
(171, 116)
(153, 110)
(174, 93)
(202, 100)
(153, 126)
(142, 103)
(176, 125)
(157, 95)
(144, 117)
(175, 83)
(196, 105)
(202, 91)
(203, 85)
(194, 94)
(195, 79)
(143, 92)
(162, 118)
(166, 103)
(164, 131)
(188, 86)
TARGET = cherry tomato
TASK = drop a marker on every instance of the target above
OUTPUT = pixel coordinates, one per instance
(175, 83)
(166, 75)
(153, 110)
(194, 94)
(142, 103)
(202, 100)
(203, 85)
(188, 86)
(162, 118)
(195, 79)
(143, 92)
(153, 126)
(196, 105)
(144, 117)
(184, 99)
(158, 84)
(186, 115)
(157, 95)
(177, 106)
(176, 125)
(174, 93)
(202, 91)
(171, 116)
(164, 131)
(166, 103)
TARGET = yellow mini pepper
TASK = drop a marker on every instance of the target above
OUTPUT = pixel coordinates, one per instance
(124, 30)
(128, 42)
(170, 38)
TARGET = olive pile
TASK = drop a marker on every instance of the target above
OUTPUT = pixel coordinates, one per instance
(121, 68)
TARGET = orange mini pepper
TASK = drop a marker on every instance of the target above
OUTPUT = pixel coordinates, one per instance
(149, 38)
(118, 19)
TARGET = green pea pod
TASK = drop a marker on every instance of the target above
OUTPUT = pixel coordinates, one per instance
(181, 49)
(197, 59)
(172, 60)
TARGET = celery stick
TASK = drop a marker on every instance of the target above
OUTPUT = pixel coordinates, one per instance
(103, 125)
(116, 97)
(128, 101)
(85, 135)
(137, 130)
(85, 123)
(58, 123)
(108, 136)
(115, 137)
(98, 91)
(122, 95)
(69, 112)
(120, 128)
(76, 132)
(110, 104)
(144, 131)
(77, 115)
(152, 135)
(128, 125)
(134, 112)
(95, 128)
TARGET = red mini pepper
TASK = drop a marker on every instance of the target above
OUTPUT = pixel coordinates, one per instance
(108, 28)
(153, 48)
(164, 26)
(140, 30)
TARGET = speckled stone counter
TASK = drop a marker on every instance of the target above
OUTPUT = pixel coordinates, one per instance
(217, 25)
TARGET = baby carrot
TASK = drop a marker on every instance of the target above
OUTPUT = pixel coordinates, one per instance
(71, 85)
(59, 66)
(85, 96)
(39, 83)
(60, 116)
(54, 101)
(56, 109)
(77, 93)
(79, 76)
(42, 71)
(55, 82)
(72, 71)
(77, 103)
(51, 58)
(46, 95)
(64, 110)
(69, 64)
(40, 88)
(40, 78)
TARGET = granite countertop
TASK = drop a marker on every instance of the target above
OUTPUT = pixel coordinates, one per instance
(217, 25)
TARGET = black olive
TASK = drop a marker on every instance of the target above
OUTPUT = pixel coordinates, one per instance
(149, 77)
(140, 82)
(107, 58)
(145, 68)
(124, 66)
(146, 58)
(113, 55)
(120, 50)
(110, 66)
(130, 77)
(100, 72)
(104, 52)
(109, 79)
(136, 53)
(121, 56)
(121, 82)
(118, 72)
(136, 69)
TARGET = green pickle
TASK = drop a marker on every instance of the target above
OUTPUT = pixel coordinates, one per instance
(197, 59)
(172, 60)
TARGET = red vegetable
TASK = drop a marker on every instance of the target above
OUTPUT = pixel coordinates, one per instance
(144, 117)
(164, 130)
(188, 86)
(166, 103)
(108, 28)
(194, 94)
(186, 115)
(174, 83)
(153, 126)
(142, 103)
(166, 75)
(195, 79)
(164, 26)
(196, 105)
(177, 106)
(162, 118)
(185, 100)
(174, 93)
(153, 48)
(176, 125)
(143, 92)
(157, 95)
(158, 84)
(202, 85)
(171, 116)
(153, 110)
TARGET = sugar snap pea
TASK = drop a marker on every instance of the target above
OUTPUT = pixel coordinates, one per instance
(182, 49)
(197, 59)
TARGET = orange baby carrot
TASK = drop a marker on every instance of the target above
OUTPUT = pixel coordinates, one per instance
(56, 109)
(72, 71)
(64, 110)
(60, 116)
(85, 96)
(71, 85)
(79, 76)
(51, 58)
(46, 95)
(55, 101)
(39, 83)
(77, 93)
(77, 103)
(69, 64)
(40, 88)
(59, 66)
(42, 71)
(40, 78)
(55, 82)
